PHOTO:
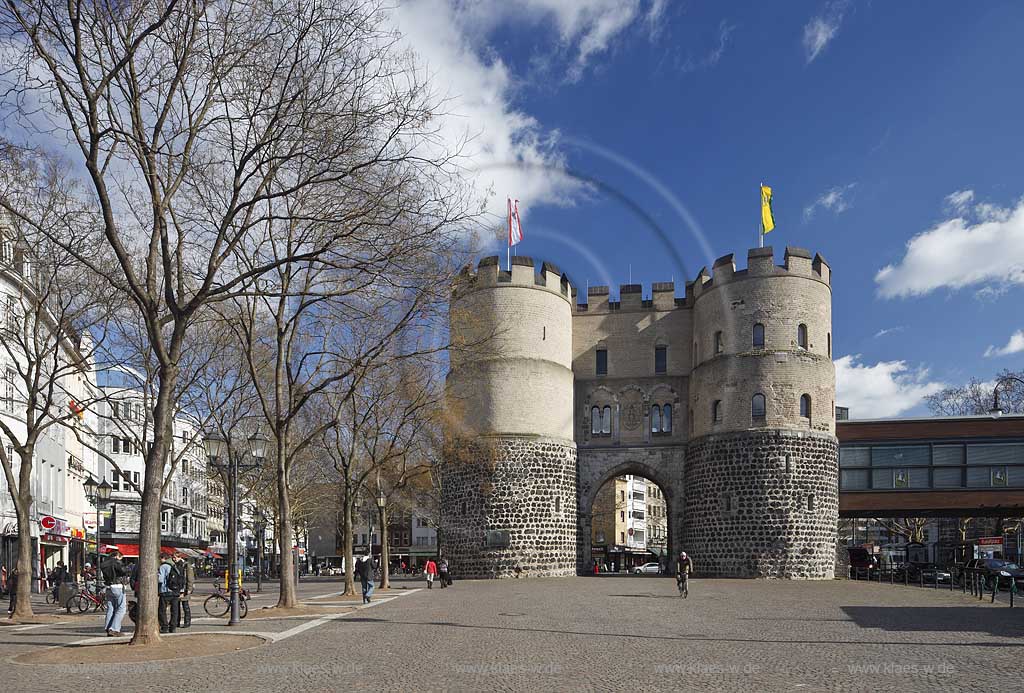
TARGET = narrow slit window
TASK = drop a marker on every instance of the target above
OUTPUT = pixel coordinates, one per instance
(666, 418)
(801, 336)
(718, 342)
(716, 411)
(758, 338)
(757, 406)
(595, 420)
(660, 359)
(805, 406)
(606, 420)
(602, 362)
(655, 419)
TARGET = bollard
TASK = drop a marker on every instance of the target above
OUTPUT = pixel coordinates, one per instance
(935, 585)
(891, 575)
(995, 588)
(906, 576)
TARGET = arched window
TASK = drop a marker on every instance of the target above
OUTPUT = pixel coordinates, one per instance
(830, 345)
(718, 342)
(757, 406)
(801, 336)
(606, 420)
(595, 420)
(666, 418)
(716, 411)
(758, 340)
(805, 406)
(655, 419)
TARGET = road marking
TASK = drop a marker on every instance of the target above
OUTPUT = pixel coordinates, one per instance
(33, 627)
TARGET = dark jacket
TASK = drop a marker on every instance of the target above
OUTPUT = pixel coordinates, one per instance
(113, 571)
(363, 569)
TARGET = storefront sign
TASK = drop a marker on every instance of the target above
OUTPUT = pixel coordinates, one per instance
(47, 522)
(988, 547)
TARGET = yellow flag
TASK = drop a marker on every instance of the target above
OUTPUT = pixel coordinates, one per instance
(767, 218)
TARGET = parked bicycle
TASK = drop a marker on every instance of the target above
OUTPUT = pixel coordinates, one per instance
(85, 599)
(218, 604)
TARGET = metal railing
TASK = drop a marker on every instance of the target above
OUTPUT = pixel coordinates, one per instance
(978, 582)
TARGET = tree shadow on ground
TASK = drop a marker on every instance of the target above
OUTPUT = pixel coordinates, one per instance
(1008, 623)
(681, 638)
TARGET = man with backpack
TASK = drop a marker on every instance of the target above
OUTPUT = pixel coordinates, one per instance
(170, 582)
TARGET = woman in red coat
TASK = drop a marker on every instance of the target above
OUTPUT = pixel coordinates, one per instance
(431, 572)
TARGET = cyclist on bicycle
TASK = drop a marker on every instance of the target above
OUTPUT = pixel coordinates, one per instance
(684, 566)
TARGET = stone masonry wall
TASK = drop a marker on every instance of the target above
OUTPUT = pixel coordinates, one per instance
(523, 485)
(762, 504)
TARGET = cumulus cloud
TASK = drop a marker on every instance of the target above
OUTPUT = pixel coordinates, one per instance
(1014, 346)
(983, 247)
(822, 28)
(833, 200)
(506, 150)
(885, 389)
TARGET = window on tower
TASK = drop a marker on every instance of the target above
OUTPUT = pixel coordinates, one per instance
(595, 420)
(718, 342)
(602, 362)
(606, 420)
(660, 359)
(716, 411)
(805, 406)
(758, 338)
(801, 336)
(666, 418)
(655, 419)
(757, 407)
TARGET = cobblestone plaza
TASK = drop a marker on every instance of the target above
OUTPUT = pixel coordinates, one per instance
(582, 634)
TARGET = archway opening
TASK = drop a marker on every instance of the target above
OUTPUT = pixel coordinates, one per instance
(630, 525)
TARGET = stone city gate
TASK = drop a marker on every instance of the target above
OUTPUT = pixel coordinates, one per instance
(660, 465)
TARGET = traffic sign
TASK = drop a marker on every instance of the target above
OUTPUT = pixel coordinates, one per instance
(47, 522)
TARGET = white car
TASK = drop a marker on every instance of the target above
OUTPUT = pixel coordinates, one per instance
(647, 568)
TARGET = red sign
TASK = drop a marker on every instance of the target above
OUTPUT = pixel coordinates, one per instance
(630, 531)
(987, 541)
(47, 522)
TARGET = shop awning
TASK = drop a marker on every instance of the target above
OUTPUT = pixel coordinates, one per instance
(132, 550)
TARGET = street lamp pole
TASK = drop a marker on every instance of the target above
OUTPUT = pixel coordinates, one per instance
(98, 495)
(997, 410)
(261, 528)
(216, 448)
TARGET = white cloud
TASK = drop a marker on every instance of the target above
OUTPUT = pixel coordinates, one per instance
(889, 330)
(715, 54)
(1015, 345)
(885, 389)
(507, 151)
(986, 252)
(833, 200)
(960, 199)
(821, 29)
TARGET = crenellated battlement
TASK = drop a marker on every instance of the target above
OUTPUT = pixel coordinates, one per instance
(797, 262)
(488, 274)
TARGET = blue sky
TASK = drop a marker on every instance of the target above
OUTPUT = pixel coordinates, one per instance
(877, 124)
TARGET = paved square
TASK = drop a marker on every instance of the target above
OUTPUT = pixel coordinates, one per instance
(610, 633)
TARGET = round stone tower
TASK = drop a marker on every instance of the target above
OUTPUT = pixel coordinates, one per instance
(762, 491)
(508, 482)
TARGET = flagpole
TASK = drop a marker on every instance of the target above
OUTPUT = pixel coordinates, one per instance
(760, 224)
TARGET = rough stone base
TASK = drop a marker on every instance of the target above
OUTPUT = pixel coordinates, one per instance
(762, 504)
(525, 486)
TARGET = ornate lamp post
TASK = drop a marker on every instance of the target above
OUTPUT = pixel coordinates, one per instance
(996, 411)
(98, 495)
(225, 459)
(381, 501)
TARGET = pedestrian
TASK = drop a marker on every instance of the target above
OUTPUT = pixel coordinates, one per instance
(170, 582)
(185, 607)
(88, 577)
(597, 570)
(442, 569)
(115, 575)
(12, 588)
(430, 570)
(364, 569)
(57, 576)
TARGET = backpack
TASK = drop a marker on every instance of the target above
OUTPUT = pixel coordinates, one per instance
(175, 580)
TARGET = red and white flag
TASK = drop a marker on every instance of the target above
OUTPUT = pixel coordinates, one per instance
(515, 227)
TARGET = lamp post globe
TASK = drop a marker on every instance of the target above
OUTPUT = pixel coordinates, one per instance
(258, 445)
(89, 485)
(103, 490)
(215, 445)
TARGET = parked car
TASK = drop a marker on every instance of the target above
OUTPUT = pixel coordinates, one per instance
(861, 559)
(647, 568)
(915, 571)
(992, 569)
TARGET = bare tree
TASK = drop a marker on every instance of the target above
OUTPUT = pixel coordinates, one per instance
(910, 528)
(195, 123)
(976, 397)
(51, 310)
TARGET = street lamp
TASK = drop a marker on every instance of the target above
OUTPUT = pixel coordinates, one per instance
(996, 411)
(98, 495)
(381, 501)
(221, 456)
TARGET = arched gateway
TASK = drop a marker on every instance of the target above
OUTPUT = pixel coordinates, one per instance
(724, 398)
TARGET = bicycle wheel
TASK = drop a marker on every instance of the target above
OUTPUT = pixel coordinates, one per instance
(80, 603)
(243, 608)
(51, 598)
(216, 605)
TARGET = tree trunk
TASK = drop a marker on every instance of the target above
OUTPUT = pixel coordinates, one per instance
(147, 627)
(23, 598)
(385, 553)
(350, 582)
(286, 599)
